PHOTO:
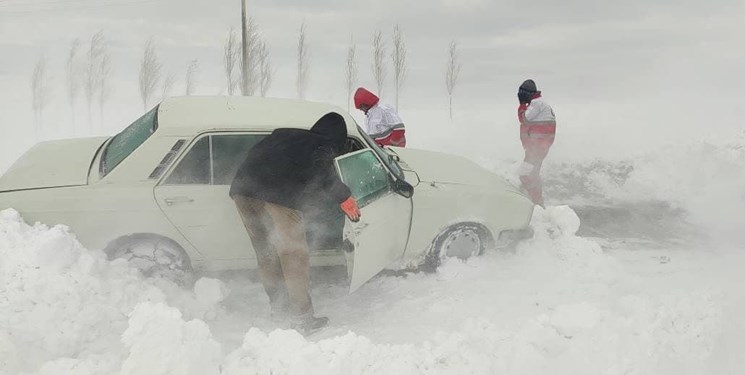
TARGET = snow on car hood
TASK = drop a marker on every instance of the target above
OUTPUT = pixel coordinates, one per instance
(53, 164)
(446, 168)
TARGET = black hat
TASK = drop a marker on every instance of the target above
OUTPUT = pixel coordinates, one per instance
(529, 85)
(331, 125)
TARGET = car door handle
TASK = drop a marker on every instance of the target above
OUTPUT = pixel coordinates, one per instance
(177, 200)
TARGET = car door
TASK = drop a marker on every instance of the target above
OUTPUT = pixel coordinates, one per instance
(381, 234)
(194, 195)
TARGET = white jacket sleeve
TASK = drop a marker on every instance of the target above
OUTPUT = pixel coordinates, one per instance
(539, 110)
(380, 119)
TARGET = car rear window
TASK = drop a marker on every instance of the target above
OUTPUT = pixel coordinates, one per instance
(124, 143)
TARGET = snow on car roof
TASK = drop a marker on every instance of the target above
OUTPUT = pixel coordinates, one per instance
(189, 115)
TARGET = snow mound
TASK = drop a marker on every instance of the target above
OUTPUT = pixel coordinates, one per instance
(559, 305)
(59, 300)
(161, 342)
(555, 236)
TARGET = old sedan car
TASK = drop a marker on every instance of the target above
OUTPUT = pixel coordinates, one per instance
(157, 192)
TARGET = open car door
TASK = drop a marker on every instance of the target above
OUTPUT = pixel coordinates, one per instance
(381, 234)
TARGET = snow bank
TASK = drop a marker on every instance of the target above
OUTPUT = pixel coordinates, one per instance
(705, 178)
(60, 301)
(161, 342)
(558, 305)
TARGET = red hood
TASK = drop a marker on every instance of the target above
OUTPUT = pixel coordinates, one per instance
(362, 96)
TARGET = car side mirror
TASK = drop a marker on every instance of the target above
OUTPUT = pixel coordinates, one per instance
(403, 188)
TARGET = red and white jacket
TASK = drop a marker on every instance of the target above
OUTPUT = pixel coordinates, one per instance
(382, 122)
(537, 119)
(384, 125)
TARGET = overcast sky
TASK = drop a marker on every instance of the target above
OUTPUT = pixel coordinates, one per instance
(620, 74)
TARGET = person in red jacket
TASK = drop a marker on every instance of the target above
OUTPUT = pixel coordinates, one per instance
(537, 132)
(382, 122)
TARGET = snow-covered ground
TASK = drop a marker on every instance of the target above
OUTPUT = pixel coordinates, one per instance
(639, 274)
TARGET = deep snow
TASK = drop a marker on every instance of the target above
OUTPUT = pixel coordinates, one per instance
(650, 286)
(557, 304)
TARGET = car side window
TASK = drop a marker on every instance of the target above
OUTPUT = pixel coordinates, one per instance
(213, 160)
(194, 167)
(228, 152)
(366, 177)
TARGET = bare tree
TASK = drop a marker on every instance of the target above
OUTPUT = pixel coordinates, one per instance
(265, 69)
(104, 74)
(378, 67)
(231, 54)
(452, 72)
(96, 52)
(301, 84)
(168, 85)
(40, 95)
(249, 58)
(150, 73)
(73, 77)
(399, 61)
(351, 73)
(191, 76)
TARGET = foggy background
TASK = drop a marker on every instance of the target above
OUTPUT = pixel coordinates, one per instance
(623, 78)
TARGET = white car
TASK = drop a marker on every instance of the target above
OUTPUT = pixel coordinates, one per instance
(157, 193)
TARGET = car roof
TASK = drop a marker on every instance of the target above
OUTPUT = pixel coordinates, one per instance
(190, 115)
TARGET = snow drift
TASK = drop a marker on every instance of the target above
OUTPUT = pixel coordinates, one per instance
(558, 304)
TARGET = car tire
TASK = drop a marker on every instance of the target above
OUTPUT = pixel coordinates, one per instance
(462, 240)
(154, 256)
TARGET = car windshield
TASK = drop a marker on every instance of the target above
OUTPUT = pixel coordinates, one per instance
(128, 140)
(384, 156)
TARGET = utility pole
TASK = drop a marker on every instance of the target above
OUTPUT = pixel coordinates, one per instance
(244, 48)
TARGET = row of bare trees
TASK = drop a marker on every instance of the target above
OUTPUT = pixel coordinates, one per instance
(151, 76)
(256, 74)
(89, 70)
(379, 68)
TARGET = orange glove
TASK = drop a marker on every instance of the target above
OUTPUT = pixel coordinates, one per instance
(350, 208)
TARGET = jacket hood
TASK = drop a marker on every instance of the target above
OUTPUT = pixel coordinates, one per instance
(331, 126)
(362, 96)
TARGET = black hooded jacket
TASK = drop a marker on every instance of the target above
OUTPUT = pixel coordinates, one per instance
(295, 167)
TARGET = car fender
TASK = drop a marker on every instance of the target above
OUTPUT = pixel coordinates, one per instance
(437, 206)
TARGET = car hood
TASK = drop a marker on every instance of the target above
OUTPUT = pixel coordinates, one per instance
(446, 168)
(53, 164)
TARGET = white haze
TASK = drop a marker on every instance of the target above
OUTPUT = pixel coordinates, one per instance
(622, 78)
(650, 154)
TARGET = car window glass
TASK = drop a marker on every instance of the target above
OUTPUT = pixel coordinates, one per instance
(387, 159)
(194, 167)
(124, 143)
(228, 152)
(365, 176)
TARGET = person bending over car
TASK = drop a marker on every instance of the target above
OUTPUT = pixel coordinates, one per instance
(283, 177)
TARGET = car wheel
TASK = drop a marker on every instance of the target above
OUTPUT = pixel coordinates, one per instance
(462, 240)
(155, 257)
